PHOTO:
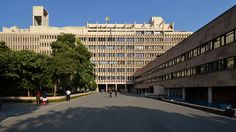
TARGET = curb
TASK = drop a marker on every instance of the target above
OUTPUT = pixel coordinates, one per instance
(200, 107)
(50, 99)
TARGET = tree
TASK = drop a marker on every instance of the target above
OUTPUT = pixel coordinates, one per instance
(71, 63)
(69, 67)
(8, 76)
(23, 71)
(3, 47)
(63, 68)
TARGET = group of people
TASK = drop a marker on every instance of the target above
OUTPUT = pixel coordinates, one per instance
(41, 99)
(110, 92)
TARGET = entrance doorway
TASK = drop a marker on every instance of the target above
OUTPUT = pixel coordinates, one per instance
(102, 87)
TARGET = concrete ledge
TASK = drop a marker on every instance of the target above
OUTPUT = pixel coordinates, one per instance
(50, 99)
(200, 107)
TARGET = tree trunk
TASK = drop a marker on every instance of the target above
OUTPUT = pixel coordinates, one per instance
(55, 88)
(28, 92)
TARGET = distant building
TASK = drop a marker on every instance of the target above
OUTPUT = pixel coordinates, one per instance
(118, 50)
(201, 69)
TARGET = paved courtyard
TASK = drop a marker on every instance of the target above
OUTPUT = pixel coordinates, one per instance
(99, 113)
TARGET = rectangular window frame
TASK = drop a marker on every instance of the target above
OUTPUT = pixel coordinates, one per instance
(227, 37)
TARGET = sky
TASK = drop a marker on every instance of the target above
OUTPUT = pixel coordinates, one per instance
(188, 15)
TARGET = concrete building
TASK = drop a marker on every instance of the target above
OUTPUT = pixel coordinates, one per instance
(200, 69)
(118, 50)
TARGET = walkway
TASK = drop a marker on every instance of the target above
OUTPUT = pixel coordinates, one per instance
(99, 113)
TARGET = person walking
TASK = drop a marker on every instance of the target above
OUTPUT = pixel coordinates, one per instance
(110, 92)
(45, 98)
(116, 93)
(37, 97)
(68, 92)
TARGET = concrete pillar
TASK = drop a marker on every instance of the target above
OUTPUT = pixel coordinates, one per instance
(168, 93)
(183, 94)
(210, 95)
(116, 87)
(106, 87)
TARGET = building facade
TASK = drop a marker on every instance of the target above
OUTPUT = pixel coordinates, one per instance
(118, 50)
(201, 69)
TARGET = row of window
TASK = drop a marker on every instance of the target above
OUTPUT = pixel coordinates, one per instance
(24, 47)
(219, 65)
(46, 52)
(119, 62)
(118, 55)
(115, 77)
(130, 47)
(114, 70)
(125, 54)
(206, 47)
(131, 40)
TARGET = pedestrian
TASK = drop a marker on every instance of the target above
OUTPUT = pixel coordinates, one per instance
(37, 97)
(116, 93)
(68, 95)
(110, 93)
(45, 98)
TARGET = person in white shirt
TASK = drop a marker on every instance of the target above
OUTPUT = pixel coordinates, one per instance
(68, 95)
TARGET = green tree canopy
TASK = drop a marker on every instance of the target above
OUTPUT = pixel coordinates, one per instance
(69, 67)
(71, 63)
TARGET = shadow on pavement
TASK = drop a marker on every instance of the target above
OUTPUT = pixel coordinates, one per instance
(121, 119)
(15, 109)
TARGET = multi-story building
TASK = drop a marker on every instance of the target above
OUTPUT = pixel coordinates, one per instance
(118, 50)
(200, 69)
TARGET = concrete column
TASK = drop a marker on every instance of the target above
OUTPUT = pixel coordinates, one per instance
(106, 87)
(168, 92)
(210, 95)
(183, 94)
(116, 87)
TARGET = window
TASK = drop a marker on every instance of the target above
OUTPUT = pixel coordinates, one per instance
(203, 49)
(222, 40)
(216, 43)
(139, 54)
(120, 39)
(178, 59)
(203, 69)
(230, 63)
(195, 52)
(221, 65)
(120, 62)
(234, 34)
(208, 47)
(111, 39)
(198, 69)
(198, 50)
(182, 58)
(130, 54)
(229, 37)
(130, 70)
(139, 47)
(215, 66)
(120, 55)
(193, 71)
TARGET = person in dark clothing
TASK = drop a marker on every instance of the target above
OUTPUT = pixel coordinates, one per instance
(110, 92)
(37, 97)
(45, 98)
(116, 93)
